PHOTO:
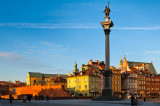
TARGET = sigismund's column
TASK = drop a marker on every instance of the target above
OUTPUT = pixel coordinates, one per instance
(107, 24)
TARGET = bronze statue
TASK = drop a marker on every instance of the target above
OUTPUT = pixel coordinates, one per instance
(107, 10)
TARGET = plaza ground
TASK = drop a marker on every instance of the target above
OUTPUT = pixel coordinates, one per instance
(77, 102)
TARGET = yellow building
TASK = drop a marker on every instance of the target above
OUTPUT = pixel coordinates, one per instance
(34, 78)
(116, 81)
(83, 83)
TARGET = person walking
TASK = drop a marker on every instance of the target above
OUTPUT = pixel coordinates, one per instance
(10, 98)
(24, 98)
(47, 98)
(35, 97)
(132, 99)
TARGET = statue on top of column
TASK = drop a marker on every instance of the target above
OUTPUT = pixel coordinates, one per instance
(107, 10)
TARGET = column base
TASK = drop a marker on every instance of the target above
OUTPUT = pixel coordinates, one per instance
(107, 92)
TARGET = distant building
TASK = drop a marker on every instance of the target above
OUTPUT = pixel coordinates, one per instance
(34, 78)
(139, 78)
(126, 65)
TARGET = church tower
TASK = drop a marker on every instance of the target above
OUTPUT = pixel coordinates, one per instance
(75, 69)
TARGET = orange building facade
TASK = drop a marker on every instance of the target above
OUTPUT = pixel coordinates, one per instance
(51, 91)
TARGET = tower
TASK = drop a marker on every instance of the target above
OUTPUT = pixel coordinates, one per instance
(107, 24)
(75, 69)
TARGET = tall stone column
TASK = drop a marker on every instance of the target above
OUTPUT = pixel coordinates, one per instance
(107, 51)
(107, 24)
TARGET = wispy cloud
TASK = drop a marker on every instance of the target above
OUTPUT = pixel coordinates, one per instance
(21, 61)
(138, 28)
(55, 47)
(71, 26)
(48, 26)
(152, 52)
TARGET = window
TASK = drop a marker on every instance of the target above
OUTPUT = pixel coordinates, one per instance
(85, 79)
(95, 86)
(114, 77)
(117, 82)
(79, 86)
(34, 81)
(96, 80)
(79, 80)
(85, 86)
(114, 82)
(92, 79)
(69, 81)
(114, 88)
(92, 86)
(117, 77)
(117, 88)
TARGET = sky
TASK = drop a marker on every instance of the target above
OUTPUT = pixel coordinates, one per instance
(47, 36)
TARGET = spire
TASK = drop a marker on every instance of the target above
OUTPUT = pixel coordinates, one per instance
(121, 60)
(75, 62)
(75, 69)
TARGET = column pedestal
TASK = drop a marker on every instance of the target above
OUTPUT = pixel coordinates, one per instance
(107, 90)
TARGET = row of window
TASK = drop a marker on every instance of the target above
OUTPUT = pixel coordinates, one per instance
(117, 88)
(116, 77)
(148, 79)
(132, 81)
(142, 87)
(132, 87)
(141, 77)
(116, 82)
(142, 82)
(152, 83)
(152, 89)
(85, 86)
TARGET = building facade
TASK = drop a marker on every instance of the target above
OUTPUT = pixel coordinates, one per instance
(34, 78)
(83, 83)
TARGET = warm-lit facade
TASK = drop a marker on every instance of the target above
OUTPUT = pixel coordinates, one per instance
(34, 78)
(152, 85)
(142, 84)
(144, 81)
(116, 81)
(83, 83)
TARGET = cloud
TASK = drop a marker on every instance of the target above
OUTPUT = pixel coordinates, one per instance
(152, 52)
(10, 56)
(55, 47)
(138, 28)
(49, 26)
(21, 61)
(71, 26)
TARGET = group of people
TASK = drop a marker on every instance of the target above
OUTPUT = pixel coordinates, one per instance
(29, 97)
(134, 100)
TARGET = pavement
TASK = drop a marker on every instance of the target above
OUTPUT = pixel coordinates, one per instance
(76, 102)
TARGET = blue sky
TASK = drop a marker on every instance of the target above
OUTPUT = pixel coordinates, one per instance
(49, 35)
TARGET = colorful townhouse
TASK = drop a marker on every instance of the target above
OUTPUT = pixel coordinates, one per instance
(145, 80)
(83, 83)
(116, 81)
(130, 83)
(152, 85)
